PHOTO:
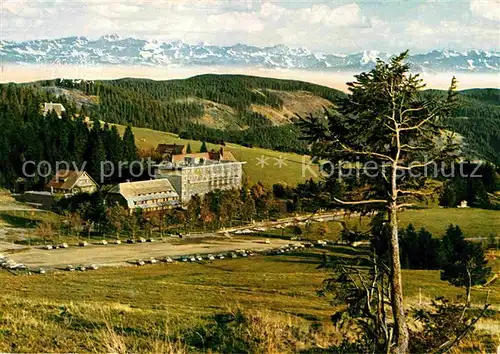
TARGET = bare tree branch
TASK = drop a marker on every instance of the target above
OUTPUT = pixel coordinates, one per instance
(404, 205)
(366, 153)
(416, 165)
(368, 201)
(426, 120)
(414, 192)
(449, 344)
(411, 147)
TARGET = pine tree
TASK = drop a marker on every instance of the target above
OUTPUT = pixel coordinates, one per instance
(462, 262)
(203, 147)
(188, 149)
(129, 148)
(385, 120)
(96, 152)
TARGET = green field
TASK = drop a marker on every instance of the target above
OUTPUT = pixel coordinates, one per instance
(288, 172)
(91, 311)
(475, 223)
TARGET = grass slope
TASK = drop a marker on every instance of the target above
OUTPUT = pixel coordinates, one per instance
(473, 222)
(289, 172)
(83, 311)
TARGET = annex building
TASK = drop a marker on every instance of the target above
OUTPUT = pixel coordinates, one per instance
(152, 195)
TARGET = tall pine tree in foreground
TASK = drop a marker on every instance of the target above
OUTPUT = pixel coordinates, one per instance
(388, 126)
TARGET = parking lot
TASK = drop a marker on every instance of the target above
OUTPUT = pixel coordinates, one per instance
(124, 254)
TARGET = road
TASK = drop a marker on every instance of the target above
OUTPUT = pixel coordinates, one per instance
(293, 219)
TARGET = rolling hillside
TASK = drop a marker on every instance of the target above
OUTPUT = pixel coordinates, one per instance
(247, 110)
(217, 101)
(251, 111)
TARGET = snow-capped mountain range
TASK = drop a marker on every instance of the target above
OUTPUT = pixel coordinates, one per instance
(112, 49)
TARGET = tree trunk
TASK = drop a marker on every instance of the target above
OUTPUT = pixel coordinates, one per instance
(468, 288)
(398, 312)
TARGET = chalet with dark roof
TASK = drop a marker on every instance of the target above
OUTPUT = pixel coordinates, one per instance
(71, 182)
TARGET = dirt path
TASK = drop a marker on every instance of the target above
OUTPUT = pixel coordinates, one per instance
(117, 255)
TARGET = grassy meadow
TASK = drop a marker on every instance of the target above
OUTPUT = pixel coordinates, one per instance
(171, 308)
(474, 222)
(151, 308)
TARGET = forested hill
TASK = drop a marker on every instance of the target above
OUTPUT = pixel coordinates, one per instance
(252, 111)
(478, 120)
(249, 110)
(219, 101)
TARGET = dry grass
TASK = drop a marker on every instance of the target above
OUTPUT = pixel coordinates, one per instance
(171, 308)
(45, 326)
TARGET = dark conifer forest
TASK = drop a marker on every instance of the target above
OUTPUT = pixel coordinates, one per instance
(28, 135)
(166, 106)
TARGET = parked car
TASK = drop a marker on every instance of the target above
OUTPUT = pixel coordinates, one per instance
(18, 266)
(69, 268)
(184, 259)
(93, 267)
(83, 243)
(221, 256)
(150, 240)
(130, 241)
(81, 268)
(169, 260)
(153, 260)
(140, 262)
(63, 245)
(320, 243)
(47, 247)
(192, 259)
(141, 240)
(103, 242)
(233, 255)
(117, 242)
(199, 258)
(41, 271)
(211, 257)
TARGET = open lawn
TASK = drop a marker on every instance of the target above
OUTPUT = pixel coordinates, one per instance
(263, 165)
(473, 222)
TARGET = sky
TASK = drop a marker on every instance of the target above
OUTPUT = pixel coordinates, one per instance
(335, 26)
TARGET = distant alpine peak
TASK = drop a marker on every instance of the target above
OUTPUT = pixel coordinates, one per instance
(112, 49)
(112, 37)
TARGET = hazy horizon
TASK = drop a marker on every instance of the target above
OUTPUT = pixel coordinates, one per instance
(23, 73)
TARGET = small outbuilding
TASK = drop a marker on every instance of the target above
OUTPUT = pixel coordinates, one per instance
(56, 107)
